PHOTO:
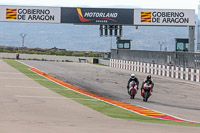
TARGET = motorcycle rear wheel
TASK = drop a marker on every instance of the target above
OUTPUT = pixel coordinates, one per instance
(132, 94)
(146, 96)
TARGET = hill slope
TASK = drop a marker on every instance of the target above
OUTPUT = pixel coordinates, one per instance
(86, 37)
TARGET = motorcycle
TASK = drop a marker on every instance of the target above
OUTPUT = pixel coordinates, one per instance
(132, 89)
(146, 91)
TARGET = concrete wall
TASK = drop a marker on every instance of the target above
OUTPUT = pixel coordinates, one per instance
(184, 59)
(52, 58)
(104, 62)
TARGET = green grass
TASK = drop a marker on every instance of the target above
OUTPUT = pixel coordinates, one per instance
(105, 108)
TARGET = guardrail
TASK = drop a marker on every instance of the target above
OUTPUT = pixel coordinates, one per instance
(162, 70)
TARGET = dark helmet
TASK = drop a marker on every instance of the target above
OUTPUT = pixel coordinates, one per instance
(149, 77)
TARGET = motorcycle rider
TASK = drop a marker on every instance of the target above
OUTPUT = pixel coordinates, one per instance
(149, 80)
(133, 78)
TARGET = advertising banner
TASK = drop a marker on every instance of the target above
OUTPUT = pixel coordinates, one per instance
(30, 14)
(162, 17)
(97, 16)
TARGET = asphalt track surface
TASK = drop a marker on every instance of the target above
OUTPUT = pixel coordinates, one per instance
(172, 96)
(26, 106)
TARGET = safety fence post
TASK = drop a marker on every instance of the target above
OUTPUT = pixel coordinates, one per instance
(186, 73)
(126, 65)
(177, 72)
(168, 71)
(159, 70)
(152, 70)
(145, 68)
(123, 64)
(182, 73)
(120, 64)
(156, 69)
(192, 75)
(115, 63)
(197, 75)
(111, 62)
(163, 70)
(141, 66)
(148, 67)
(135, 66)
(132, 65)
(129, 65)
(172, 72)
(138, 66)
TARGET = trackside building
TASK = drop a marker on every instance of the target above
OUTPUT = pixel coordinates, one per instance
(198, 36)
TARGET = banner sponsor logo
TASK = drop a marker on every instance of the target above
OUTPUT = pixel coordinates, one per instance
(169, 17)
(80, 15)
(11, 13)
(96, 16)
(145, 16)
(164, 17)
(30, 14)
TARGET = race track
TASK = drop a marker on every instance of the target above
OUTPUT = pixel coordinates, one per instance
(172, 96)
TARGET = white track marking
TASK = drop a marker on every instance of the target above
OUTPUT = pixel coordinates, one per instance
(24, 64)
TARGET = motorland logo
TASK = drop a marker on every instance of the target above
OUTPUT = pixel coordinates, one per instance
(100, 17)
(29, 14)
(164, 17)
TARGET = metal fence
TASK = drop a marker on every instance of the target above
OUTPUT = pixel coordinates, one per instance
(162, 70)
(182, 59)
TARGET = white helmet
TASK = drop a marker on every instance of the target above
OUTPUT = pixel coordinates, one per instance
(132, 75)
